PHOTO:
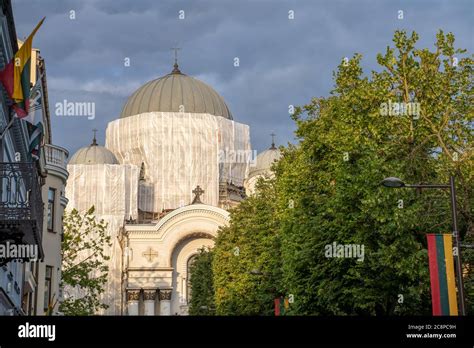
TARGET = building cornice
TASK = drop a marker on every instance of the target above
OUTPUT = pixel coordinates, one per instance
(202, 210)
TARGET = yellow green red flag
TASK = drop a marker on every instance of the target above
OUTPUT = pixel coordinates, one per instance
(443, 287)
(21, 70)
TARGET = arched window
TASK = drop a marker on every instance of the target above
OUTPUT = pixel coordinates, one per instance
(191, 259)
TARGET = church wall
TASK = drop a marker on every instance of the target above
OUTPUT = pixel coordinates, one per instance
(112, 189)
(157, 255)
(165, 242)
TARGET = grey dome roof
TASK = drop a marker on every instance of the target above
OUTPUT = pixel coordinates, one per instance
(167, 93)
(265, 160)
(93, 154)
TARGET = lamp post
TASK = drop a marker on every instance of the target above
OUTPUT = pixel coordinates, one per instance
(393, 182)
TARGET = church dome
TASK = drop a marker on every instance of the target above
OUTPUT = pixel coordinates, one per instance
(93, 154)
(167, 93)
(265, 160)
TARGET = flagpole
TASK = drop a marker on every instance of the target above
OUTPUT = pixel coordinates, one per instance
(7, 127)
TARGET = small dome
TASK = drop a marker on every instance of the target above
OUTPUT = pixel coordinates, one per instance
(93, 154)
(265, 160)
(169, 92)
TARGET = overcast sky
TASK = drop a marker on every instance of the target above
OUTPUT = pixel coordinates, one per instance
(282, 61)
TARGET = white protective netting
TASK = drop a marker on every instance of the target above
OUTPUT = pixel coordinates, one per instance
(179, 152)
(112, 190)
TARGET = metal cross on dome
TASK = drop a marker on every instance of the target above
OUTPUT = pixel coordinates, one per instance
(176, 49)
(273, 140)
(94, 140)
(175, 66)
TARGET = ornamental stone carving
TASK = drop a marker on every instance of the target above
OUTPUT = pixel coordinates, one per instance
(149, 295)
(165, 294)
(133, 295)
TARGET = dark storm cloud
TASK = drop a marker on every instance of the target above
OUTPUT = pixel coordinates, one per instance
(282, 61)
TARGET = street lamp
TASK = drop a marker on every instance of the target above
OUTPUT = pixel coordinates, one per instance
(393, 182)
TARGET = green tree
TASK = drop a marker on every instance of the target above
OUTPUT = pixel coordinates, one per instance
(348, 144)
(202, 288)
(246, 261)
(84, 269)
(412, 119)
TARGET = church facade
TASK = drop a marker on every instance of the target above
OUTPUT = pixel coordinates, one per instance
(172, 165)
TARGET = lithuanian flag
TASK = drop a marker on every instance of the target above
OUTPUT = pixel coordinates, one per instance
(15, 77)
(443, 288)
(281, 305)
(277, 306)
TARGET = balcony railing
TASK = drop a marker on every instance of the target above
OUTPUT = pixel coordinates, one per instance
(21, 205)
(56, 156)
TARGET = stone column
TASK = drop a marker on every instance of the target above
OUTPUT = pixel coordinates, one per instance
(165, 301)
(133, 298)
(149, 296)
